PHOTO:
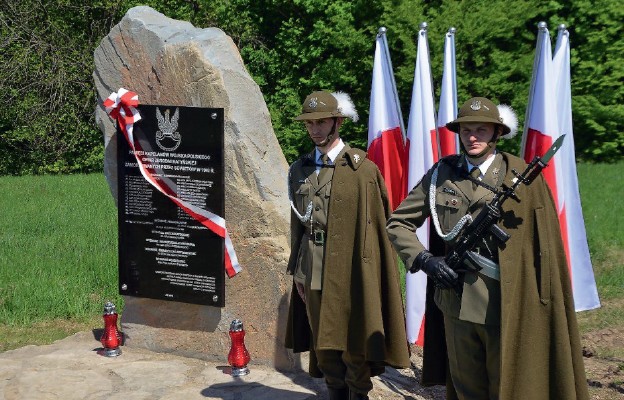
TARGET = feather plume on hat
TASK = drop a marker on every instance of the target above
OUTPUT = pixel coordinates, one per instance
(346, 106)
(509, 118)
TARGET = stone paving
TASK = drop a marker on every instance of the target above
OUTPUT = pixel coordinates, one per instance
(72, 368)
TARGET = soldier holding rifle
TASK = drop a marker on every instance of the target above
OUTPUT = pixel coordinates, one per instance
(506, 304)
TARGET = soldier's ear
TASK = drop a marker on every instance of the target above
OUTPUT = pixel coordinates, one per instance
(499, 131)
(339, 121)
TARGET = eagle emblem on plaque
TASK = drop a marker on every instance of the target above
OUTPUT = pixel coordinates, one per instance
(167, 137)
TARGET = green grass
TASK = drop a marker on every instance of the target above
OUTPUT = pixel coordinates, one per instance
(602, 194)
(58, 250)
(603, 210)
(58, 253)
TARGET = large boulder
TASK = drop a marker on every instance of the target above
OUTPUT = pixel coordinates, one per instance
(171, 62)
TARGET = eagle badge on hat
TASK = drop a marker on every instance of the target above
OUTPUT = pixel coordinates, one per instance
(313, 102)
(476, 105)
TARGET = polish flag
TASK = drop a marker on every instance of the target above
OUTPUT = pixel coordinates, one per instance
(447, 111)
(541, 127)
(386, 143)
(423, 153)
(575, 238)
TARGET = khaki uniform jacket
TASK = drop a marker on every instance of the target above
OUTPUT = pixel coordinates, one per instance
(541, 354)
(361, 309)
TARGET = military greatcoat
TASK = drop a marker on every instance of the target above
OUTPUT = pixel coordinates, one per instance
(361, 309)
(541, 354)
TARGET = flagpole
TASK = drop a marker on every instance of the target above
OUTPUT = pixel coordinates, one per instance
(382, 34)
(423, 28)
(451, 34)
(542, 29)
(561, 31)
(447, 106)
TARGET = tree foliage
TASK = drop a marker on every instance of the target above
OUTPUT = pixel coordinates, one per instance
(292, 47)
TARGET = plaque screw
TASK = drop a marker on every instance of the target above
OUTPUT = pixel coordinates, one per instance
(214, 115)
(215, 298)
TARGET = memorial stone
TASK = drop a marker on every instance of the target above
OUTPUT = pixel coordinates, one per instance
(170, 62)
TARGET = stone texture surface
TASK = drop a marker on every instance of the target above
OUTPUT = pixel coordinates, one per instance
(72, 369)
(171, 62)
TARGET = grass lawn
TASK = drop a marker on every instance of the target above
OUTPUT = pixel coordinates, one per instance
(58, 256)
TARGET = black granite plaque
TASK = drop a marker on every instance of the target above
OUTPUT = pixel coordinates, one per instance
(164, 252)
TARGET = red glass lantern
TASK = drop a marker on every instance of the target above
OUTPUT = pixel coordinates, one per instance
(111, 338)
(238, 357)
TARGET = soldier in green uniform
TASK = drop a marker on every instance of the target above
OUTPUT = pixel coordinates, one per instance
(511, 331)
(346, 306)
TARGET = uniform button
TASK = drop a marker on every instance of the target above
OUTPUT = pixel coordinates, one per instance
(454, 202)
(317, 208)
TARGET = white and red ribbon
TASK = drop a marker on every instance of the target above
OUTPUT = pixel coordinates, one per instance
(121, 106)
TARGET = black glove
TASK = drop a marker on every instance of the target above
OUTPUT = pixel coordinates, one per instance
(442, 275)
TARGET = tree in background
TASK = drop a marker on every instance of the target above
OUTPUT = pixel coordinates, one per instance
(597, 44)
(292, 47)
(46, 97)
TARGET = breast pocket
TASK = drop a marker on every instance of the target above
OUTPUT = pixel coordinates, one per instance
(450, 208)
(302, 196)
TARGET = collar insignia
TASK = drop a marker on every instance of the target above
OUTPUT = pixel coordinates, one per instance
(356, 158)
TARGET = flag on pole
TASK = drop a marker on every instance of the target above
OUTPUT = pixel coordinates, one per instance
(386, 143)
(423, 153)
(575, 237)
(541, 127)
(447, 110)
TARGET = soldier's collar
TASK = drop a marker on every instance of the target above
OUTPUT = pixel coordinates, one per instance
(354, 157)
(333, 153)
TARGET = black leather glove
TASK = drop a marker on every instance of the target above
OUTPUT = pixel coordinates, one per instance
(436, 269)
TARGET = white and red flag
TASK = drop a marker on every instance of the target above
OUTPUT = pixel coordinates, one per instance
(423, 153)
(541, 126)
(386, 142)
(121, 106)
(447, 111)
(574, 237)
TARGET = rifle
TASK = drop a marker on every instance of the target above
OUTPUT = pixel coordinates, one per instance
(490, 214)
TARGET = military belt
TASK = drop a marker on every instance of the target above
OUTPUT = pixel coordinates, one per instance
(317, 236)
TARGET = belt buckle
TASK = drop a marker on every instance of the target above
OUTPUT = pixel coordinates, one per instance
(319, 237)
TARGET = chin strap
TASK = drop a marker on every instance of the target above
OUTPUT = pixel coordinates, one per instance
(329, 137)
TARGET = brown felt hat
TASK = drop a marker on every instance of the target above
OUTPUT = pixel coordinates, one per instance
(478, 109)
(322, 104)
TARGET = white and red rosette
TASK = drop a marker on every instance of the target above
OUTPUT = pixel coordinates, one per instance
(121, 106)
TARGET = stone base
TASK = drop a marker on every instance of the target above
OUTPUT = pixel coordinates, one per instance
(196, 331)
